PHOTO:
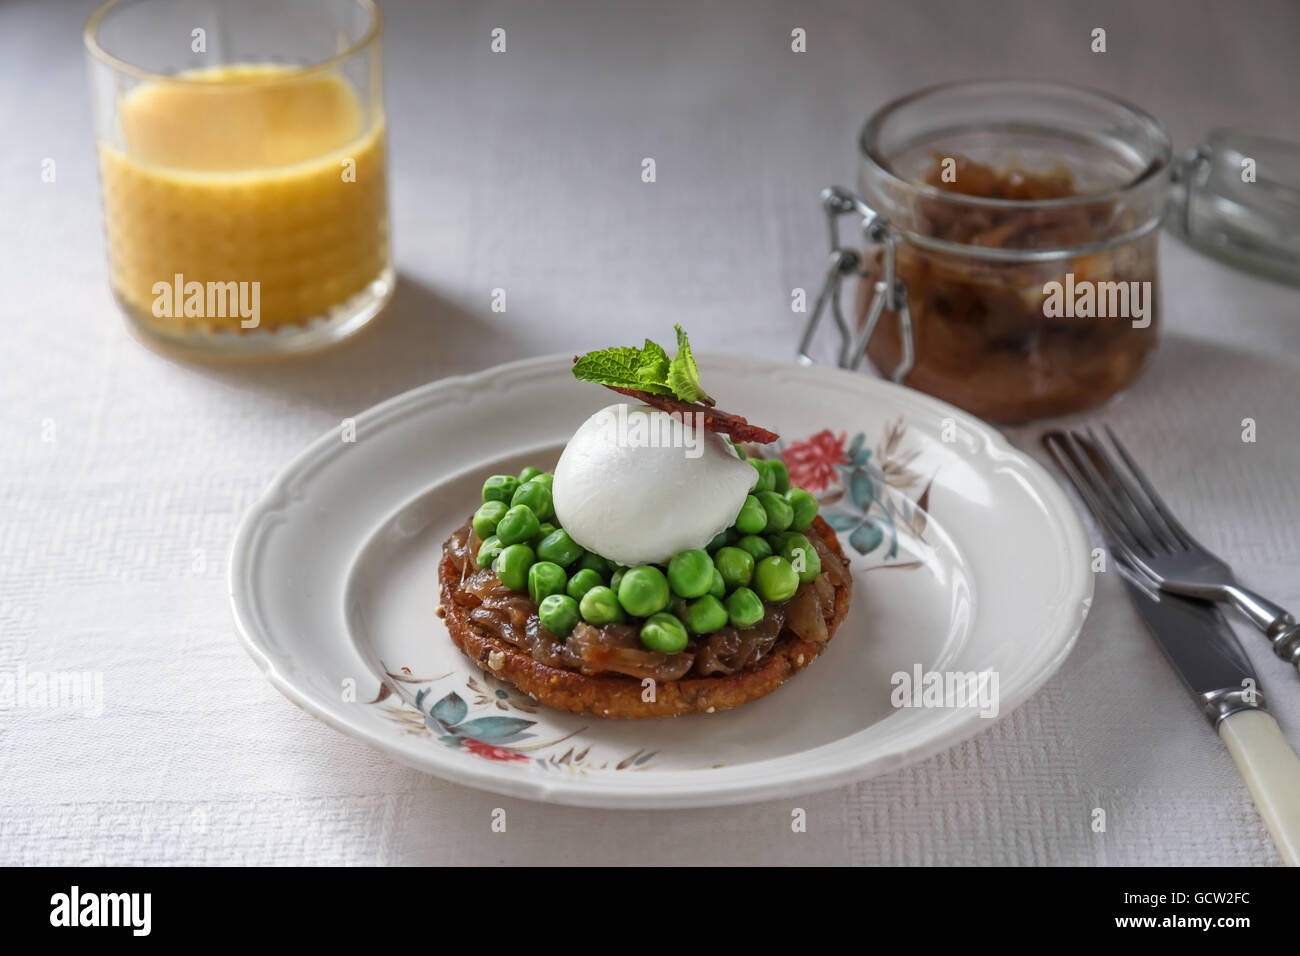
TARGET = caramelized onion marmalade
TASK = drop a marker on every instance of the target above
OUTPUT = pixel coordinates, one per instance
(982, 340)
(511, 616)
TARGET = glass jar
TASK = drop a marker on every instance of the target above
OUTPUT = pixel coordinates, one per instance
(1011, 232)
(243, 169)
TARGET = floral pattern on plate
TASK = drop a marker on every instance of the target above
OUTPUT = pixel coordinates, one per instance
(863, 491)
(491, 736)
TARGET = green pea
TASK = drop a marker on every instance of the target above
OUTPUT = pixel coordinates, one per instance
(690, 573)
(517, 525)
(766, 480)
(803, 557)
(583, 580)
(779, 512)
(488, 550)
(752, 518)
(616, 578)
(560, 548)
(591, 561)
(775, 579)
(740, 449)
(512, 566)
(719, 587)
(600, 606)
(776, 541)
(780, 475)
(500, 488)
(735, 565)
(664, 633)
(558, 614)
(486, 518)
(720, 540)
(706, 615)
(790, 540)
(544, 529)
(744, 609)
(758, 548)
(537, 496)
(528, 474)
(544, 579)
(804, 506)
(643, 590)
(545, 478)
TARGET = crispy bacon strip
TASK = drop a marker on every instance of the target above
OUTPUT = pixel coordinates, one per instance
(734, 426)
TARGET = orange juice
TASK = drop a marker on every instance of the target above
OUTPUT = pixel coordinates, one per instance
(244, 177)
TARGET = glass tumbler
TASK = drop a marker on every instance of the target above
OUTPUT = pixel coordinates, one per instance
(242, 163)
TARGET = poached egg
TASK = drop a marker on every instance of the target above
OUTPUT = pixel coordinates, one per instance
(636, 485)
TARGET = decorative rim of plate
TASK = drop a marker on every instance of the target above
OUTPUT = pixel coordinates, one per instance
(669, 789)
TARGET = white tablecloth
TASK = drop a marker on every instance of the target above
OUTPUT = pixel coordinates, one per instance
(124, 472)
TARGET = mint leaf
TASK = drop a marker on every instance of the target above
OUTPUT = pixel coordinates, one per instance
(653, 365)
(684, 374)
(626, 367)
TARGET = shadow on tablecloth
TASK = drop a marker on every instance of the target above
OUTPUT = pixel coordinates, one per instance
(421, 335)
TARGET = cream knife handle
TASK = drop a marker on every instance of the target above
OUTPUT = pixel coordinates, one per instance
(1271, 770)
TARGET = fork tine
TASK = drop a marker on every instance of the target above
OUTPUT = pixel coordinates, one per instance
(1175, 526)
(1086, 462)
(1117, 536)
(1138, 577)
(1157, 530)
(1119, 541)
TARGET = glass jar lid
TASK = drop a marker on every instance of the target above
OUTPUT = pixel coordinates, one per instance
(1236, 197)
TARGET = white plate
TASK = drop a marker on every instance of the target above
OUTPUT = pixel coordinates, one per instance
(333, 582)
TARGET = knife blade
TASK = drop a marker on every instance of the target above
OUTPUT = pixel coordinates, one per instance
(1200, 645)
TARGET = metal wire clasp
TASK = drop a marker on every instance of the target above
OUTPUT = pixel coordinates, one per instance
(889, 293)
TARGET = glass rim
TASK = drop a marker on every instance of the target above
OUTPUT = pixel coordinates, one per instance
(1158, 167)
(97, 51)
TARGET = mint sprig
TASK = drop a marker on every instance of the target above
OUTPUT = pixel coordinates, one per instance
(646, 369)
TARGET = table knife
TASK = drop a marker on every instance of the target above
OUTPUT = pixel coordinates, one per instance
(1215, 670)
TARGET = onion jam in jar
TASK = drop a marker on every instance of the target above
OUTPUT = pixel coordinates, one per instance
(1020, 221)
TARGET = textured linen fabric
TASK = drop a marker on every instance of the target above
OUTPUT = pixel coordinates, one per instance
(123, 472)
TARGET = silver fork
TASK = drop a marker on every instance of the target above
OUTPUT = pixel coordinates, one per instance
(1143, 532)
